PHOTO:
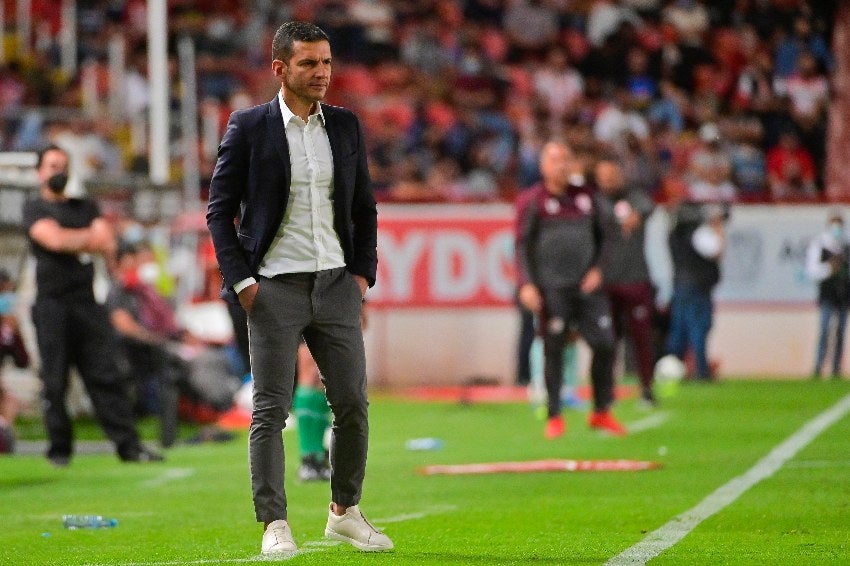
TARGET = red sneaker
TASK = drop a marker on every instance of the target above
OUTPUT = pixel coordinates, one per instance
(605, 421)
(555, 427)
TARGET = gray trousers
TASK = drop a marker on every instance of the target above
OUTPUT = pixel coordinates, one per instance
(324, 307)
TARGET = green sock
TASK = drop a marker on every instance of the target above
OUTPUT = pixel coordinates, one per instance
(311, 409)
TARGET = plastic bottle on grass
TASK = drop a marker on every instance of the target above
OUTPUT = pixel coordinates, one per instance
(74, 522)
(424, 444)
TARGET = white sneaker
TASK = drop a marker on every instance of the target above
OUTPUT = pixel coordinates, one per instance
(353, 528)
(278, 539)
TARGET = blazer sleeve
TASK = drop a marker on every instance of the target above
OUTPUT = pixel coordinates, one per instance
(364, 217)
(227, 189)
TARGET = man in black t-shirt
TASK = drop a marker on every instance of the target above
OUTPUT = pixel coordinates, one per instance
(72, 329)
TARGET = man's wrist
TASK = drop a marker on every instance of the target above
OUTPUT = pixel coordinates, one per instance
(244, 284)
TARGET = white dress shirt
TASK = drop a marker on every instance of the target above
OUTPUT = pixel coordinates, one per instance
(306, 241)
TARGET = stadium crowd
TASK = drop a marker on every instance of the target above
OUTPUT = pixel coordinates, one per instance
(716, 100)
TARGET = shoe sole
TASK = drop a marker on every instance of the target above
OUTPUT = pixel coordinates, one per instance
(355, 543)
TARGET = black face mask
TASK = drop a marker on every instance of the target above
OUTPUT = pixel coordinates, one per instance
(57, 183)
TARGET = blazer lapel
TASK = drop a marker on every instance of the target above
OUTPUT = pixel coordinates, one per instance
(277, 196)
(277, 131)
(334, 138)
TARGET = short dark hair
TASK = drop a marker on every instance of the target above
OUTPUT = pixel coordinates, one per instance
(289, 33)
(43, 151)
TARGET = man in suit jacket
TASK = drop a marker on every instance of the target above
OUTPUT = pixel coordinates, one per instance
(299, 259)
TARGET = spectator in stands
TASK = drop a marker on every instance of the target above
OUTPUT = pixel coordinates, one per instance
(668, 108)
(754, 87)
(801, 39)
(713, 53)
(146, 326)
(828, 264)
(690, 20)
(640, 168)
(791, 170)
(531, 27)
(421, 47)
(11, 341)
(808, 91)
(605, 18)
(617, 120)
(377, 19)
(749, 168)
(641, 84)
(558, 85)
(11, 345)
(710, 168)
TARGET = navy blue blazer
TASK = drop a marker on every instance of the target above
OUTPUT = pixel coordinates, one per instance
(250, 189)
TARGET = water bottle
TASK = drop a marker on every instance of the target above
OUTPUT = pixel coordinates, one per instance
(424, 444)
(74, 522)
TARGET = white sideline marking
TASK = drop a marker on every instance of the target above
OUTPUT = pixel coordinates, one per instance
(435, 510)
(321, 543)
(646, 423)
(250, 559)
(167, 476)
(680, 526)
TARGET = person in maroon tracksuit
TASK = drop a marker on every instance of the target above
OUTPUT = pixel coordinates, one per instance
(558, 254)
(624, 268)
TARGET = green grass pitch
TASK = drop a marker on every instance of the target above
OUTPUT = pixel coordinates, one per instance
(196, 507)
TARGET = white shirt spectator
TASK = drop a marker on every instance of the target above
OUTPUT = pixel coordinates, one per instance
(605, 18)
(561, 88)
(612, 124)
(690, 18)
(808, 95)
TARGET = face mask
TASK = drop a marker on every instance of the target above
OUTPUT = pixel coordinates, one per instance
(57, 183)
(7, 302)
(836, 230)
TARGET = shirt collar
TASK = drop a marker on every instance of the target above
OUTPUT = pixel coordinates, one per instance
(288, 114)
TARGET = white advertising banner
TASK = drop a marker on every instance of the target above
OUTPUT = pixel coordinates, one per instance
(766, 254)
(462, 255)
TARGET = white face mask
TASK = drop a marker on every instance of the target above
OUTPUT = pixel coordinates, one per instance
(149, 272)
